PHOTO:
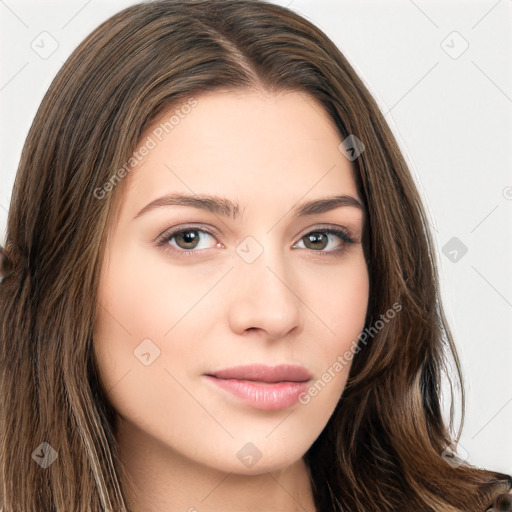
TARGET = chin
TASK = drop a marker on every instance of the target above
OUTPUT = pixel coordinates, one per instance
(257, 458)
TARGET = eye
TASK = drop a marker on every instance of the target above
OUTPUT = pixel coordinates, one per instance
(319, 240)
(186, 240)
(191, 240)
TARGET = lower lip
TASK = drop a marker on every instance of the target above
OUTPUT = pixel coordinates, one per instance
(269, 397)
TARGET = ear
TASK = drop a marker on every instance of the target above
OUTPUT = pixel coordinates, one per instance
(6, 264)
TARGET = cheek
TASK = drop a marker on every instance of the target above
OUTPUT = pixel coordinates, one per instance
(340, 300)
(142, 307)
(142, 296)
(341, 306)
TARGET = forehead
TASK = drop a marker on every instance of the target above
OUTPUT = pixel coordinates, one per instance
(246, 145)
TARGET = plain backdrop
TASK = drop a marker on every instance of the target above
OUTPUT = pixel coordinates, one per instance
(441, 73)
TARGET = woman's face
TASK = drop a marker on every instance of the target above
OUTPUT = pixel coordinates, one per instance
(191, 292)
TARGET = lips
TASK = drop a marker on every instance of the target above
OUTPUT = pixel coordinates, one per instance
(264, 387)
(264, 373)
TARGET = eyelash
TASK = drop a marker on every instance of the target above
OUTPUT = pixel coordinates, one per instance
(168, 235)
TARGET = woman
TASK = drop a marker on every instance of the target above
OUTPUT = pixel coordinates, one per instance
(292, 362)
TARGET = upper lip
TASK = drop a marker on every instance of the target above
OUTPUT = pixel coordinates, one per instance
(264, 373)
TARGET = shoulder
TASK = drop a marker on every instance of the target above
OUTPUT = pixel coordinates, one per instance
(502, 502)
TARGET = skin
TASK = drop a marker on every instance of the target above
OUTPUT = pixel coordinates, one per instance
(179, 435)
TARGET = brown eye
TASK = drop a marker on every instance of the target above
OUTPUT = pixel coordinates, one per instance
(319, 240)
(187, 239)
(316, 240)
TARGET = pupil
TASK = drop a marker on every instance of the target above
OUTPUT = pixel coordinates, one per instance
(316, 238)
(189, 237)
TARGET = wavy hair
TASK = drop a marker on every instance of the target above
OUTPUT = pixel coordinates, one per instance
(383, 447)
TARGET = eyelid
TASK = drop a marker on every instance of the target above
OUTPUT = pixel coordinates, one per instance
(330, 227)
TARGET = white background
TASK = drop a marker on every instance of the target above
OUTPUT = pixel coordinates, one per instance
(452, 115)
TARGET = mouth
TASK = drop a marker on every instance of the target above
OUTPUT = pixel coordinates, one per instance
(263, 387)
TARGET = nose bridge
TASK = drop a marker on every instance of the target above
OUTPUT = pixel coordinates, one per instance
(264, 295)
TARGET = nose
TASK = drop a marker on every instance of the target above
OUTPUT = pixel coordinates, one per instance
(265, 297)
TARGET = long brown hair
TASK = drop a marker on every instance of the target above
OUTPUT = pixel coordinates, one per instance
(383, 447)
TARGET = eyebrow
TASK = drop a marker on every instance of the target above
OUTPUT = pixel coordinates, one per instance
(228, 208)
